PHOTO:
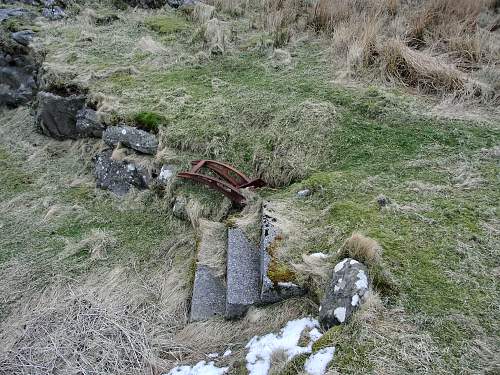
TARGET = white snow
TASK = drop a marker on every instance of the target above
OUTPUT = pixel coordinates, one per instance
(353, 262)
(227, 353)
(355, 300)
(213, 355)
(261, 348)
(362, 282)
(201, 368)
(316, 364)
(340, 265)
(286, 284)
(339, 313)
(315, 335)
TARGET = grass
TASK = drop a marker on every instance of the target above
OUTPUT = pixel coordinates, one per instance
(294, 127)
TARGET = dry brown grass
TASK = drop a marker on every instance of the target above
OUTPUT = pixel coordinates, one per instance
(362, 248)
(431, 45)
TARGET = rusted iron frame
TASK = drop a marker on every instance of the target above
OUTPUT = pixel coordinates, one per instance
(230, 187)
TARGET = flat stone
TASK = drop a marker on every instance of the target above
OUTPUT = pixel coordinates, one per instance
(209, 295)
(345, 293)
(117, 176)
(133, 138)
(243, 274)
(53, 13)
(88, 125)
(56, 115)
(209, 290)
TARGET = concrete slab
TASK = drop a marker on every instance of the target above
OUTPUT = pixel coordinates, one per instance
(209, 295)
(243, 274)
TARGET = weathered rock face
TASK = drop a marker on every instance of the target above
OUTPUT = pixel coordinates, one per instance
(167, 173)
(88, 124)
(117, 176)
(134, 138)
(18, 66)
(345, 293)
(56, 115)
(179, 208)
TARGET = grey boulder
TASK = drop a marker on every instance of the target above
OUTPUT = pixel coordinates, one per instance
(345, 292)
(88, 124)
(133, 138)
(53, 13)
(17, 85)
(117, 176)
(56, 115)
(23, 37)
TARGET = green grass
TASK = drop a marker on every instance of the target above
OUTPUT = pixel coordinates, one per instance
(166, 24)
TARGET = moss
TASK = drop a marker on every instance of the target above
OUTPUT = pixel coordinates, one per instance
(278, 271)
(149, 121)
(167, 24)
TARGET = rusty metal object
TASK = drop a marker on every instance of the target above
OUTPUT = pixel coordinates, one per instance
(231, 180)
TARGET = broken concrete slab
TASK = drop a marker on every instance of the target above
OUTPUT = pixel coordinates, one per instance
(271, 236)
(209, 290)
(209, 295)
(243, 274)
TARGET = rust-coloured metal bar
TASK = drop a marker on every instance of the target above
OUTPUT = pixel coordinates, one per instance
(231, 181)
(229, 191)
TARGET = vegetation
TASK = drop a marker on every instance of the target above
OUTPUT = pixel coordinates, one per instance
(299, 117)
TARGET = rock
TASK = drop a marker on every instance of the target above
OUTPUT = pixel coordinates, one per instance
(134, 138)
(209, 290)
(383, 201)
(179, 209)
(23, 37)
(56, 115)
(345, 292)
(53, 13)
(17, 85)
(304, 193)
(271, 234)
(179, 3)
(243, 274)
(167, 173)
(87, 123)
(7, 13)
(117, 176)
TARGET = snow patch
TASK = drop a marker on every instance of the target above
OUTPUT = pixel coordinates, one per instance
(362, 282)
(315, 335)
(201, 368)
(261, 348)
(227, 353)
(353, 262)
(213, 355)
(355, 300)
(316, 364)
(339, 313)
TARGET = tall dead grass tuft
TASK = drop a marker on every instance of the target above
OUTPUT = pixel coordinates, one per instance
(428, 73)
